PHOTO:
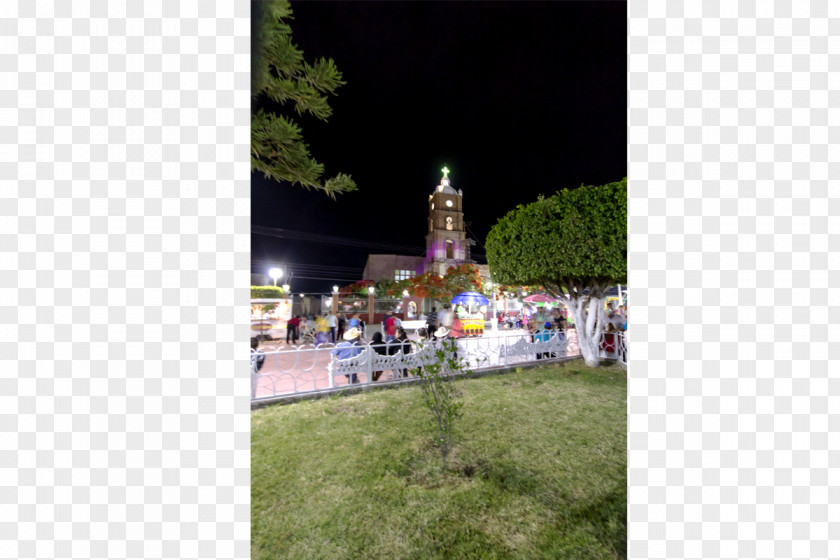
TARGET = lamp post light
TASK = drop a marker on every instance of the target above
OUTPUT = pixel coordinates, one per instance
(275, 273)
(405, 304)
(334, 299)
(371, 291)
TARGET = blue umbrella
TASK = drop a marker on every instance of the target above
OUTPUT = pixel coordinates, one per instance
(470, 298)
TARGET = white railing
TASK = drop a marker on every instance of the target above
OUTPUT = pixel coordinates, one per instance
(614, 347)
(292, 370)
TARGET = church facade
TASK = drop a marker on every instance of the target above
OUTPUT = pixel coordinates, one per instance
(446, 240)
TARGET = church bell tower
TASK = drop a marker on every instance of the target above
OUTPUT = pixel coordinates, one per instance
(446, 242)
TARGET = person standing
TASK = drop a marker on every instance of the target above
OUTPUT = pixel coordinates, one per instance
(354, 321)
(431, 320)
(332, 323)
(446, 317)
(390, 326)
(456, 330)
(543, 335)
(322, 329)
(612, 317)
(402, 339)
(342, 323)
(560, 324)
(292, 326)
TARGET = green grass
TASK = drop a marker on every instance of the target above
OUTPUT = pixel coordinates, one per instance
(537, 470)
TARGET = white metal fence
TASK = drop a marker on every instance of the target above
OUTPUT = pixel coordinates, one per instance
(293, 370)
(614, 347)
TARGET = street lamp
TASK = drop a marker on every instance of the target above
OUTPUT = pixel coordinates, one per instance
(405, 305)
(275, 273)
(286, 288)
(334, 299)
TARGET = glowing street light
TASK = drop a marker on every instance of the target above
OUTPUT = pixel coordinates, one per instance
(334, 306)
(275, 273)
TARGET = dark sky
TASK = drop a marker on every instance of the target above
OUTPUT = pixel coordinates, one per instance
(517, 99)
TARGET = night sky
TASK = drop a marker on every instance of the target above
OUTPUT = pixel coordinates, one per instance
(517, 99)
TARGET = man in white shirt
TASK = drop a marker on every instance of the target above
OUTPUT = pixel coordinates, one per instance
(446, 317)
(332, 323)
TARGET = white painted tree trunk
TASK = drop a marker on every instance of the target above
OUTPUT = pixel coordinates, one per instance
(589, 325)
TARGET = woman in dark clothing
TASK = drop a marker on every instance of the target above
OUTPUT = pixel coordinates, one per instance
(342, 324)
(402, 339)
(379, 346)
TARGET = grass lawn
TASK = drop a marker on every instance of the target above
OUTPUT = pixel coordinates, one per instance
(537, 470)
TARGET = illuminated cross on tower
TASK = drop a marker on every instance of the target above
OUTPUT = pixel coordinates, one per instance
(446, 242)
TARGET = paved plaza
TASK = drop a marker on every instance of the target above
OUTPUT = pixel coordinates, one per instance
(290, 369)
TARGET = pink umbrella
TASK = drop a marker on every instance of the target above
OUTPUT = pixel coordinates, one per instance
(540, 298)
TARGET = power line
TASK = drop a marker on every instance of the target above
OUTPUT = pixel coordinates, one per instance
(311, 267)
(474, 236)
(332, 239)
(330, 278)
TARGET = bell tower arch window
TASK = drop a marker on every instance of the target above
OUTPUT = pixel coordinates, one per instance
(449, 249)
(449, 223)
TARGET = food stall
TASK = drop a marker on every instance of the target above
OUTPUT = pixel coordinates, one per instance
(471, 324)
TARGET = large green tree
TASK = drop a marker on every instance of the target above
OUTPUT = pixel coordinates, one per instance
(284, 85)
(574, 245)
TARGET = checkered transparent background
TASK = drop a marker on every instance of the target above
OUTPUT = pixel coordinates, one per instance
(124, 165)
(124, 424)
(734, 122)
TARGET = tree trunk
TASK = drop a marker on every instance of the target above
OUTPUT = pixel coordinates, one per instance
(589, 325)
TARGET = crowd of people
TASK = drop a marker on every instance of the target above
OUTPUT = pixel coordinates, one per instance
(321, 328)
(353, 344)
(349, 333)
(330, 327)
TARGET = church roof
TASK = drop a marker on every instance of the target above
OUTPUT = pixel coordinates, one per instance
(444, 186)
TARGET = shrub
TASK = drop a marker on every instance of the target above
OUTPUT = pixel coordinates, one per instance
(267, 292)
(440, 394)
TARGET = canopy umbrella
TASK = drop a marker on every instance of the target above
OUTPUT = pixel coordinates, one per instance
(470, 298)
(540, 298)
